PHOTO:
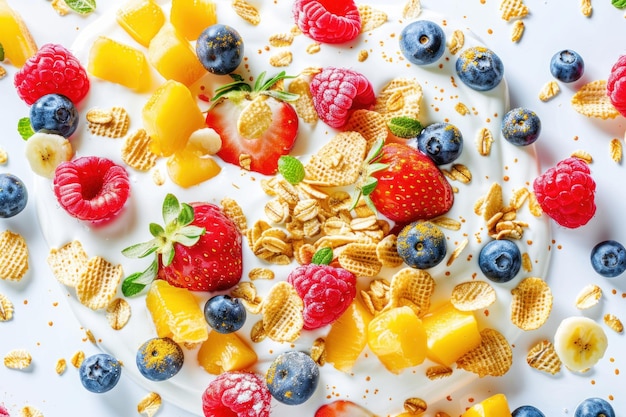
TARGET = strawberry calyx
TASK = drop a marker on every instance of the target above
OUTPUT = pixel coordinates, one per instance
(177, 219)
(239, 89)
(367, 182)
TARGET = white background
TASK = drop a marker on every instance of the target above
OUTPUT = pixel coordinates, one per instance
(44, 325)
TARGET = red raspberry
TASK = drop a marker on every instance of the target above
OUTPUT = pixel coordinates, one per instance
(325, 290)
(566, 193)
(53, 69)
(328, 21)
(338, 91)
(237, 394)
(616, 85)
(91, 188)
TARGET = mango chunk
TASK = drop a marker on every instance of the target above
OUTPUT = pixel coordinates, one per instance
(191, 17)
(347, 337)
(141, 19)
(494, 406)
(450, 333)
(15, 37)
(170, 116)
(225, 352)
(173, 56)
(119, 63)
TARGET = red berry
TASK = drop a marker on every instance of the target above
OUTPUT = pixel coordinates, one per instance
(616, 85)
(328, 21)
(326, 292)
(91, 188)
(338, 91)
(566, 193)
(53, 69)
(236, 394)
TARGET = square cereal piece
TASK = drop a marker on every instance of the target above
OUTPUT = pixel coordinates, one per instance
(98, 283)
(13, 256)
(68, 262)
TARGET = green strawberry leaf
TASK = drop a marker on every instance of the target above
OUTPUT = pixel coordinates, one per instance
(171, 208)
(82, 6)
(24, 128)
(1, 53)
(141, 250)
(135, 283)
(323, 256)
(186, 215)
(620, 4)
(368, 186)
(291, 169)
(405, 127)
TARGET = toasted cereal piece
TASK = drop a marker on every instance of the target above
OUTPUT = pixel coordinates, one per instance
(586, 8)
(136, 151)
(387, 251)
(413, 288)
(493, 356)
(493, 203)
(527, 263)
(318, 351)
(118, 313)
(4, 156)
(461, 109)
(338, 162)
(150, 404)
(371, 18)
(13, 256)
(591, 100)
(30, 411)
(472, 295)
(68, 262)
(61, 366)
(247, 11)
(531, 303)
(6, 308)
(412, 9)
(377, 296)
(370, 124)
(282, 313)
(517, 31)
(77, 359)
(549, 91)
(279, 40)
(116, 126)
(61, 7)
(588, 297)
(401, 97)
(415, 406)
(615, 148)
(313, 48)
(281, 59)
(484, 139)
(98, 283)
(543, 357)
(584, 155)
(233, 211)
(457, 252)
(513, 9)
(360, 259)
(17, 359)
(613, 322)
(304, 103)
(456, 41)
(438, 372)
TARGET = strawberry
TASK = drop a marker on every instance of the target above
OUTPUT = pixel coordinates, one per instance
(404, 184)
(342, 408)
(199, 249)
(254, 122)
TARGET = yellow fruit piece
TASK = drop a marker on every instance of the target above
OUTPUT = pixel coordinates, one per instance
(348, 337)
(225, 352)
(450, 333)
(170, 116)
(398, 338)
(141, 19)
(15, 37)
(494, 406)
(131, 68)
(173, 56)
(191, 17)
(188, 167)
(176, 313)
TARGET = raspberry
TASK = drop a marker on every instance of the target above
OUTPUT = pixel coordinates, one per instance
(53, 69)
(91, 188)
(338, 91)
(566, 193)
(325, 290)
(328, 21)
(616, 85)
(237, 394)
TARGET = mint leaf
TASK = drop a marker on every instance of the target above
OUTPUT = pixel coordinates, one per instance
(405, 127)
(291, 169)
(1, 53)
(81, 6)
(24, 128)
(323, 256)
(620, 4)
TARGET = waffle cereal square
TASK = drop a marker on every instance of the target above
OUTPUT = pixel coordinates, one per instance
(412, 9)
(6, 308)
(413, 288)
(13, 256)
(370, 124)
(118, 313)
(387, 251)
(136, 151)
(401, 97)
(304, 103)
(150, 404)
(98, 283)
(282, 313)
(113, 123)
(543, 357)
(513, 9)
(492, 357)
(67, 262)
(473, 295)
(338, 162)
(591, 100)
(531, 303)
(360, 258)
(371, 18)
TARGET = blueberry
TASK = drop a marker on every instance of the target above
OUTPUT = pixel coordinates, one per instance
(527, 411)
(594, 407)
(422, 42)
(500, 260)
(220, 49)
(567, 66)
(421, 245)
(13, 195)
(100, 372)
(480, 68)
(292, 378)
(159, 359)
(521, 126)
(54, 113)
(224, 313)
(608, 258)
(442, 142)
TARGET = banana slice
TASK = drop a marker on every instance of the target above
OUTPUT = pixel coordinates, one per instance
(45, 151)
(580, 343)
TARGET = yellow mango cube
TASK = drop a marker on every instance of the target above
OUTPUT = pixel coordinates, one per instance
(170, 116)
(398, 338)
(174, 57)
(141, 19)
(450, 333)
(191, 17)
(188, 168)
(118, 63)
(494, 406)
(15, 38)
(347, 337)
(225, 352)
